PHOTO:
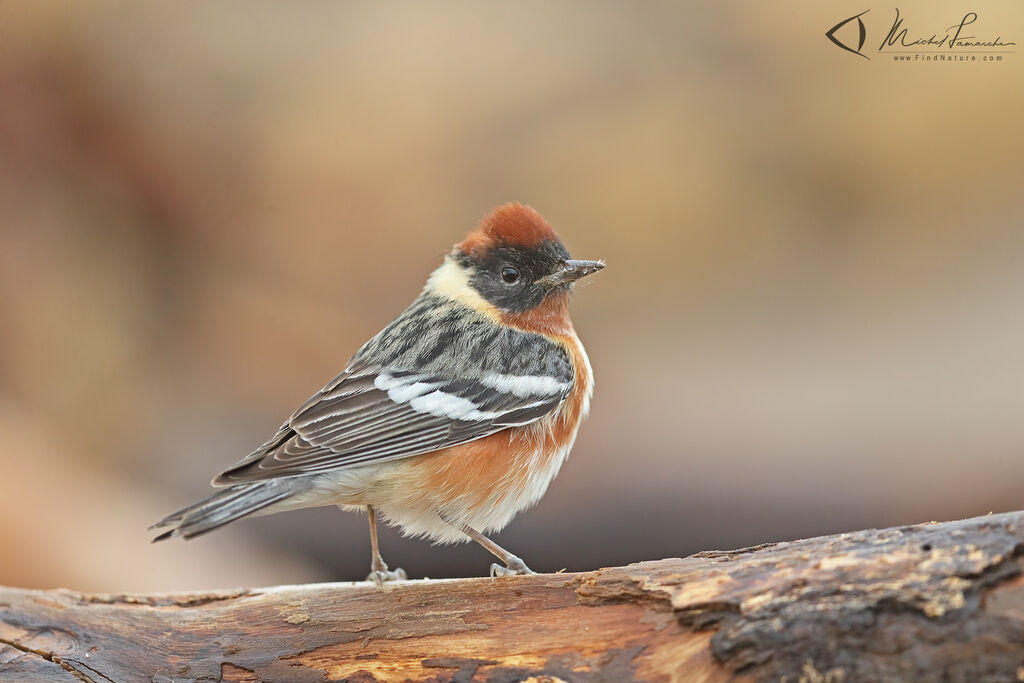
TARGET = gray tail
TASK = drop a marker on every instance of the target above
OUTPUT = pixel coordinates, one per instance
(225, 506)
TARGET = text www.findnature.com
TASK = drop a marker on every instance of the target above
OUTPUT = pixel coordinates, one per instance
(947, 58)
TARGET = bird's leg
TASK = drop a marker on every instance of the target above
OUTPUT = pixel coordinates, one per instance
(513, 565)
(378, 570)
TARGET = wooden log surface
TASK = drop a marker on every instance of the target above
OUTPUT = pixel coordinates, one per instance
(933, 602)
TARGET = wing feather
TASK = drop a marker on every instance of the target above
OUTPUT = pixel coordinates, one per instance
(386, 417)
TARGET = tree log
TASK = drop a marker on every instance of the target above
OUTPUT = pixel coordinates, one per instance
(933, 602)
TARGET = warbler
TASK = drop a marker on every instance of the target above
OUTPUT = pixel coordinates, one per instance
(449, 421)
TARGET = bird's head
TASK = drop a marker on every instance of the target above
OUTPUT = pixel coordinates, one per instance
(514, 266)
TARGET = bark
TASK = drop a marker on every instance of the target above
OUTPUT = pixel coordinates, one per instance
(934, 602)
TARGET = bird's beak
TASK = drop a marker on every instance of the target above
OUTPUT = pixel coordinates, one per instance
(570, 271)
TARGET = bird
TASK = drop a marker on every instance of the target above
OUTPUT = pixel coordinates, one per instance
(451, 420)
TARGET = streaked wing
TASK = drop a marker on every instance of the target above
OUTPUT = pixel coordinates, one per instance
(372, 414)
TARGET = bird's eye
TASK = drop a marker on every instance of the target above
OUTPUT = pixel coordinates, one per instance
(509, 274)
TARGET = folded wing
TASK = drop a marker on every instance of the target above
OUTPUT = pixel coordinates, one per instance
(376, 414)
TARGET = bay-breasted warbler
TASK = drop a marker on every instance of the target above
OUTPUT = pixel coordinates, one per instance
(448, 422)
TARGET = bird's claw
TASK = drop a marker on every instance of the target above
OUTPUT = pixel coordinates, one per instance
(379, 576)
(515, 568)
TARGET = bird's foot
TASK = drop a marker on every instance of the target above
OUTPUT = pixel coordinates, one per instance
(515, 567)
(381, 574)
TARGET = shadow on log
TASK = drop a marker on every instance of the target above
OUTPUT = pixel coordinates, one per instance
(934, 602)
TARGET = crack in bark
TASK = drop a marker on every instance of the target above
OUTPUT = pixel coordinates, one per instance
(196, 600)
(92, 669)
(714, 554)
(50, 657)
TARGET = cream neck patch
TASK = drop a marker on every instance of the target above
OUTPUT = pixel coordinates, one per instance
(451, 280)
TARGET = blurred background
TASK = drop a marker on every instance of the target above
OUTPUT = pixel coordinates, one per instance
(810, 322)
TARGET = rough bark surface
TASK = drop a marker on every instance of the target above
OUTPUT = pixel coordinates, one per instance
(934, 602)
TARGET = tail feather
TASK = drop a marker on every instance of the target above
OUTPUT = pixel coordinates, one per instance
(218, 499)
(222, 507)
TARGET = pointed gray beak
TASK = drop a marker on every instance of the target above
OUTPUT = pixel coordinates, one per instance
(570, 271)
